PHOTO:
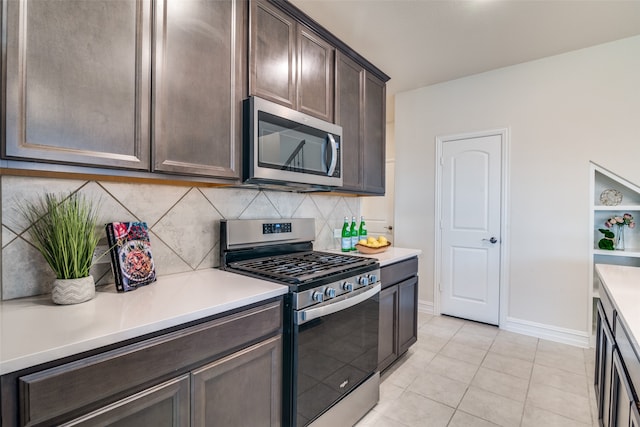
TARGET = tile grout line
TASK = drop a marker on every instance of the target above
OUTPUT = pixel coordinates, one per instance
(526, 396)
(457, 408)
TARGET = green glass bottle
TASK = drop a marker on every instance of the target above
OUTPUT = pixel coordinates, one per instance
(362, 231)
(354, 234)
(346, 236)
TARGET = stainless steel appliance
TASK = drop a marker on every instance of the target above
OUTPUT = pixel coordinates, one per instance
(330, 319)
(286, 147)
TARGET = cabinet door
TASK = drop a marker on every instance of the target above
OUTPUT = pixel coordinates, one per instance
(272, 54)
(199, 85)
(166, 404)
(374, 135)
(604, 354)
(78, 82)
(388, 327)
(407, 314)
(243, 389)
(315, 75)
(360, 110)
(350, 115)
(621, 394)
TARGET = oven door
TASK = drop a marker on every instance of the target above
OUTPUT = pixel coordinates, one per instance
(336, 349)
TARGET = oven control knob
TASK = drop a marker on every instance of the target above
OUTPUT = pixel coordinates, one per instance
(317, 296)
(364, 281)
(347, 286)
(373, 278)
(330, 292)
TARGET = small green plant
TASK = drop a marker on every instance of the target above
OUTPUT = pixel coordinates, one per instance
(63, 229)
(607, 241)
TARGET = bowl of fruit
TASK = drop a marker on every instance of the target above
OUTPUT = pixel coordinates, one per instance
(371, 245)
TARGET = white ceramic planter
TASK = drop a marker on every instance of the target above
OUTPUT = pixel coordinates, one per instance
(73, 291)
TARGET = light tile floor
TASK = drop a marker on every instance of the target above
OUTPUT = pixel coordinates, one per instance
(467, 374)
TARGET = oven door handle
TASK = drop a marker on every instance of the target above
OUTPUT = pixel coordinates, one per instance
(313, 313)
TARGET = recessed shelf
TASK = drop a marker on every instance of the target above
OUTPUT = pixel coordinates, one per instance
(601, 180)
(633, 253)
(617, 208)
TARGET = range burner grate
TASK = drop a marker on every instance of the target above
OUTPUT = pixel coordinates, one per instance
(300, 267)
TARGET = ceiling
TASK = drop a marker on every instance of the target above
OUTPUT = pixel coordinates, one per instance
(423, 42)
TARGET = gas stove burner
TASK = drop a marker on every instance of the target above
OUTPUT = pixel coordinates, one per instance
(299, 268)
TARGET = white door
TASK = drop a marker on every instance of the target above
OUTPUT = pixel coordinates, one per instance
(378, 211)
(470, 228)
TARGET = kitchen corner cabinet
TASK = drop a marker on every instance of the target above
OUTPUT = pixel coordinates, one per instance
(289, 63)
(601, 180)
(617, 369)
(78, 82)
(223, 371)
(199, 75)
(360, 110)
(398, 329)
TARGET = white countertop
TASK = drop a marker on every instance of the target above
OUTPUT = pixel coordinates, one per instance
(34, 330)
(390, 256)
(623, 285)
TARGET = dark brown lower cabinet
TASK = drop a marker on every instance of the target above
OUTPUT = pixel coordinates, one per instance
(242, 389)
(604, 352)
(398, 328)
(388, 338)
(166, 404)
(614, 386)
(222, 371)
(621, 394)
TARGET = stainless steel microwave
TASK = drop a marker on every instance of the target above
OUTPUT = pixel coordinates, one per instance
(286, 147)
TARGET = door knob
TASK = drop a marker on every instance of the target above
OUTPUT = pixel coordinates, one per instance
(491, 240)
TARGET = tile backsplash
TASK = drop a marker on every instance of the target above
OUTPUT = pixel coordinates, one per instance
(184, 223)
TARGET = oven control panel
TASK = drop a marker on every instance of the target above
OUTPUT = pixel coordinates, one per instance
(320, 294)
(276, 227)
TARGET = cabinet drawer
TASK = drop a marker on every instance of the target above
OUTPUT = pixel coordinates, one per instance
(629, 357)
(83, 385)
(399, 271)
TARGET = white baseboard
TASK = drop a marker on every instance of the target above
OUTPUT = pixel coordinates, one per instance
(547, 332)
(425, 307)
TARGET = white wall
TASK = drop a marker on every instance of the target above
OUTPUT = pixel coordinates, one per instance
(562, 112)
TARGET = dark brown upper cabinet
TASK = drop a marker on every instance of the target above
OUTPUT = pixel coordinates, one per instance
(289, 63)
(360, 110)
(78, 82)
(350, 114)
(199, 76)
(374, 135)
(157, 86)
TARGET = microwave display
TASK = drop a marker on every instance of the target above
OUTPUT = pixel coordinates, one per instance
(286, 145)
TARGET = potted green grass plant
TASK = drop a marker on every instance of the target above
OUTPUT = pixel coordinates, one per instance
(63, 229)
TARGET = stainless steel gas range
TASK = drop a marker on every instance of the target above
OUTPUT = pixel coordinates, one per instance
(330, 319)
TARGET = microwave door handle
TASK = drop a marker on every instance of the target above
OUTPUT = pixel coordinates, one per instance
(334, 154)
